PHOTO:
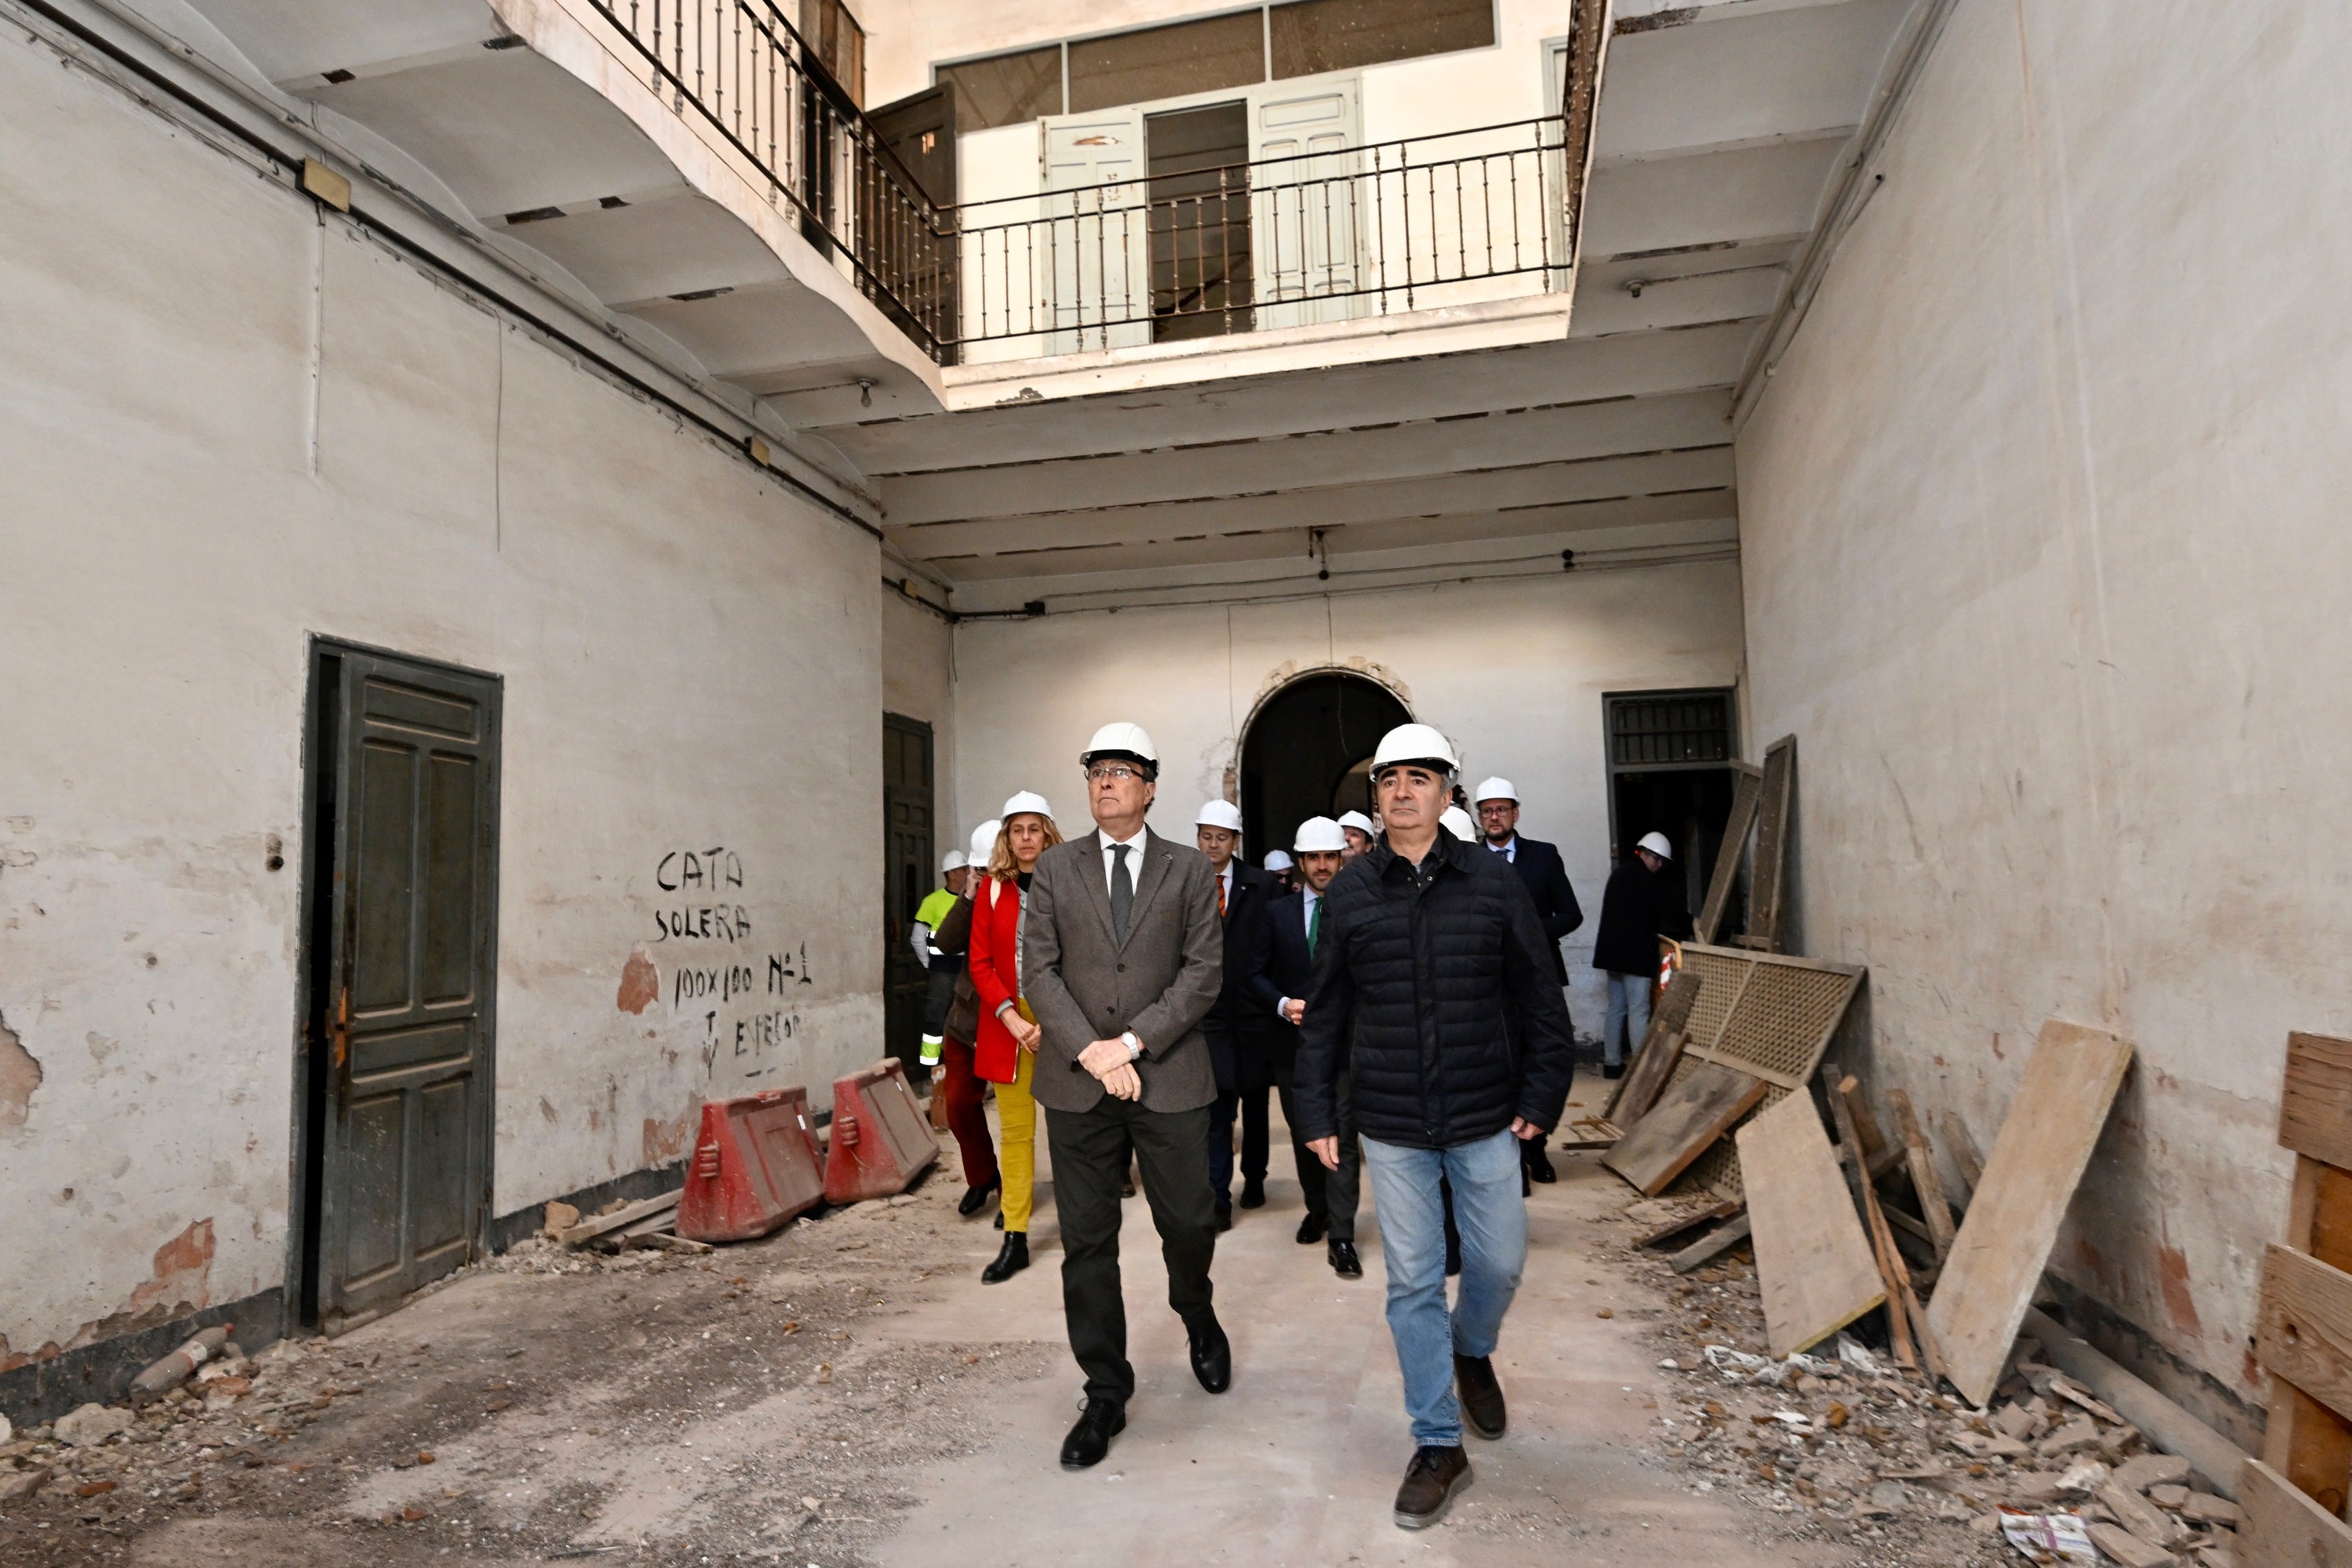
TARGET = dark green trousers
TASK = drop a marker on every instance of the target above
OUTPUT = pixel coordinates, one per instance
(1090, 1150)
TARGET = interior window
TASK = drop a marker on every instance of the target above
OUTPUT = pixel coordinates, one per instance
(1168, 62)
(1311, 36)
(1005, 90)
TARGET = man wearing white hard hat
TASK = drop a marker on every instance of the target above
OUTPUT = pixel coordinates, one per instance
(1642, 902)
(1434, 980)
(1281, 972)
(1358, 830)
(1497, 801)
(1281, 868)
(1236, 1031)
(1123, 957)
(939, 965)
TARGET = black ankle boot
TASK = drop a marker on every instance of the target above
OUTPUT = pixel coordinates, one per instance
(1011, 1260)
(976, 1198)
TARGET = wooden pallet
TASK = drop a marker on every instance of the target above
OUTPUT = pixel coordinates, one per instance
(2295, 1494)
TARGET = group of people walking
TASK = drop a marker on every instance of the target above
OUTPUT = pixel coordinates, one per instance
(1401, 996)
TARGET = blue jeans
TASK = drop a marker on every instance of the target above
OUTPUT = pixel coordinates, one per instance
(1493, 1219)
(1629, 1016)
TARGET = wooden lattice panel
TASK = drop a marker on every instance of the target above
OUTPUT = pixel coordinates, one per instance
(1766, 1013)
(1721, 973)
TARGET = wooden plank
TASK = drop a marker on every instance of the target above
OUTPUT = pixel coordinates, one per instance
(1638, 1090)
(2316, 1106)
(2046, 1142)
(2284, 1527)
(590, 1229)
(2303, 1326)
(1812, 1261)
(2309, 1444)
(1934, 1207)
(1774, 799)
(1714, 1243)
(1727, 855)
(1864, 1123)
(1690, 1116)
(1881, 1240)
(1675, 1227)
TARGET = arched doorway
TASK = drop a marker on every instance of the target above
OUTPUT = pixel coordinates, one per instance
(1309, 751)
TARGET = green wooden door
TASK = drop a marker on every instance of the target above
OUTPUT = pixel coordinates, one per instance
(404, 1158)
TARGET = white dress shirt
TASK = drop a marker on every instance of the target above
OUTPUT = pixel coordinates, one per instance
(1309, 899)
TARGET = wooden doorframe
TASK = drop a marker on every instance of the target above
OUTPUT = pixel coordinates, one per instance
(321, 721)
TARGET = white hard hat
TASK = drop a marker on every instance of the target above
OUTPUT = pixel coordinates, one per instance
(1495, 789)
(1357, 820)
(1027, 800)
(1457, 821)
(1276, 860)
(1657, 843)
(1121, 740)
(984, 843)
(1222, 813)
(1319, 834)
(1414, 743)
(954, 860)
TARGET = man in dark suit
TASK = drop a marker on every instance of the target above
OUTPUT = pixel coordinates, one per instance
(1281, 971)
(1121, 958)
(1237, 1031)
(1539, 865)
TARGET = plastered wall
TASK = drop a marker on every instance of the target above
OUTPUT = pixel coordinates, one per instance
(228, 424)
(2043, 552)
(1512, 671)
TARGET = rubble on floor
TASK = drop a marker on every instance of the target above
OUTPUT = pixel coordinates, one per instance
(1864, 1450)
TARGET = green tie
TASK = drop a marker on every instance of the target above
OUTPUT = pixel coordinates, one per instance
(1314, 918)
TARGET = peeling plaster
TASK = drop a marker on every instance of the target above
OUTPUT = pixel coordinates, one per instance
(20, 1075)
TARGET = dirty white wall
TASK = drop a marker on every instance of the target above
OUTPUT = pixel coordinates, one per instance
(918, 680)
(1512, 670)
(227, 425)
(2043, 543)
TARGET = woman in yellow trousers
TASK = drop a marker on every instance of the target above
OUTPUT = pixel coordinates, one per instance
(1006, 1051)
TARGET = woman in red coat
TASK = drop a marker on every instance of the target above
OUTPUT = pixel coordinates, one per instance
(1005, 1052)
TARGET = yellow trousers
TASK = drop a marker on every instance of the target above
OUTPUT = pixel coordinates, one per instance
(1016, 1110)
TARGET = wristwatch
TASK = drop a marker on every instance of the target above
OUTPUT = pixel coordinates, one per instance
(1134, 1046)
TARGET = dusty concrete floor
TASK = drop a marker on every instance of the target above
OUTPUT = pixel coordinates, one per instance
(848, 1393)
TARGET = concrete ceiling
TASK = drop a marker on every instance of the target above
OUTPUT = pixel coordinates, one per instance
(1720, 131)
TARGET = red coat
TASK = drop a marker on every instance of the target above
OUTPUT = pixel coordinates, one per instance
(995, 925)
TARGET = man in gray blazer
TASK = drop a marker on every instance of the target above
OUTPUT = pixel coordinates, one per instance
(1122, 956)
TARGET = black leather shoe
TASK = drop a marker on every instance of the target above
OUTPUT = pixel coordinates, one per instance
(1010, 1260)
(1252, 1194)
(1452, 1261)
(1539, 1163)
(1432, 1482)
(1612, 1070)
(1089, 1440)
(1482, 1396)
(1224, 1217)
(1213, 1353)
(1344, 1261)
(999, 1219)
(1311, 1229)
(976, 1198)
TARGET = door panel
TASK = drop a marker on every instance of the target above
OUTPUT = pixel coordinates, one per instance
(1308, 213)
(1093, 258)
(403, 1162)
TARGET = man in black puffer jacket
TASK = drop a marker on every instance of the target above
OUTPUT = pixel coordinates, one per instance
(1429, 944)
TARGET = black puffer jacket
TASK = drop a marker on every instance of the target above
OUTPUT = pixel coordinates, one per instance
(1424, 976)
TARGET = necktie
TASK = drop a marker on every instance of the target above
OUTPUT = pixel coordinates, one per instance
(1221, 898)
(1122, 891)
(1313, 920)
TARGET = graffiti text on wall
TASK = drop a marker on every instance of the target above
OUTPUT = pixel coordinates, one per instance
(745, 1001)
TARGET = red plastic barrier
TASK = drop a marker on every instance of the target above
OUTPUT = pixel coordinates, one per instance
(755, 1166)
(880, 1141)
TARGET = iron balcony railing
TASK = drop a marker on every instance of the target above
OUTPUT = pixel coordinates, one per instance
(1171, 253)
(1314, 237)
(743, 69)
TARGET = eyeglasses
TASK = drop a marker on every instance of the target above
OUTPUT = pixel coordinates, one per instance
(1117, 771)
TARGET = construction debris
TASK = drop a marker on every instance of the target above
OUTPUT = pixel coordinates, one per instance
(2048, 1537)
(162, 1377)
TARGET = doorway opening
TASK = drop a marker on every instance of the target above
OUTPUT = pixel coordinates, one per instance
(909, 875)
(1671, 772)
(399, 981)
(1199, 163)
(1308, 751)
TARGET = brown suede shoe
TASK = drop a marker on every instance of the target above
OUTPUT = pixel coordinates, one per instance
(1482, 1396)
(1430, 1484)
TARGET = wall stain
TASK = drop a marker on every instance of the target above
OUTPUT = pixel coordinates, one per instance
(640, 983)
(666, 1141)
(181, 1284)
(2172, 1273)
(20, 1075)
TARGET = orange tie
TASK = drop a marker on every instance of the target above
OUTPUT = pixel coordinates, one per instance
(1221, 898)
